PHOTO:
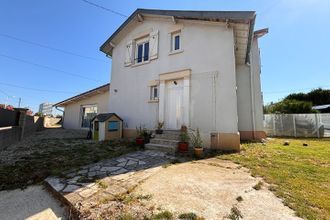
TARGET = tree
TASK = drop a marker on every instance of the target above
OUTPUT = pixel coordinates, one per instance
(316, 97)
(288, 106)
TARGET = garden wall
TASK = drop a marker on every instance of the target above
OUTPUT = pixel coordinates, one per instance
(15, 125)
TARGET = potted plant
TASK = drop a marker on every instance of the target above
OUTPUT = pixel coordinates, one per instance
(146, 135)
(184, 128)
(197, 143)
(159, 129)
(139, 140)
(183, 143)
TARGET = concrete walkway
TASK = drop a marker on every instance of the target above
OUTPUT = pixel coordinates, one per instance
(32, 203)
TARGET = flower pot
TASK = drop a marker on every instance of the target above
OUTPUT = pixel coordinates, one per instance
(198, 151)
(139, 141)
(159, 131)
(183, 147)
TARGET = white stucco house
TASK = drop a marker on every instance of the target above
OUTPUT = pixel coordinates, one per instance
(195, 68)
(80, 109)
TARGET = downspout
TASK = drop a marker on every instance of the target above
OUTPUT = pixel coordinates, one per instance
(250, 64)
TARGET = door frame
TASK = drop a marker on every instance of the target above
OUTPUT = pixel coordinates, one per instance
(182, 75)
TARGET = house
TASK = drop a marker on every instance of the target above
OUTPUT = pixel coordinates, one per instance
(80, 109)
(195, 68)
(107, 126)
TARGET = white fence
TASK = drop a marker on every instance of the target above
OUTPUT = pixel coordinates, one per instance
(297, 125)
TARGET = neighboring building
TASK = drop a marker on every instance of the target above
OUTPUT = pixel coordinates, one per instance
(195, 68)
(80, 109)
(46, 108)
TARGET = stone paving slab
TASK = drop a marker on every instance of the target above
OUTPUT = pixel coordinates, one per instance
(84, 187)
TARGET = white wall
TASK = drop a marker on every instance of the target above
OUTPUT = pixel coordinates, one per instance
(208, 47)
(72, 115)
(244, 99)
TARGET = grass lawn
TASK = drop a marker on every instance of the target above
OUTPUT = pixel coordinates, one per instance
(53, 156)
(298, 174)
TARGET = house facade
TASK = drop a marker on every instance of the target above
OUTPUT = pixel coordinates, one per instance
(80, 109)
(195, 68)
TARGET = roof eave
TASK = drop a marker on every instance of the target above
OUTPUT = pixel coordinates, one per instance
(249, 17)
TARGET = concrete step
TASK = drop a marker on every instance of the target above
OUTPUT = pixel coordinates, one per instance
(170, 135)
(170, 131)
(161, 147)
(163, 141)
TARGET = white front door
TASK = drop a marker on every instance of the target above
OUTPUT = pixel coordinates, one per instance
(174, 104)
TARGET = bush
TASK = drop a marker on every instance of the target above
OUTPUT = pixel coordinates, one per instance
(290, 107)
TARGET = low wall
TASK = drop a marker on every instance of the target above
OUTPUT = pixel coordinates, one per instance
(8, 136)
(16, 125)
(8, 118)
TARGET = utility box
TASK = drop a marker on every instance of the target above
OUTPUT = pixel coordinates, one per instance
(107, 126)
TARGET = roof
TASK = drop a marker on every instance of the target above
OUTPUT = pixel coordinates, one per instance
(320, 107)
(99, 90)
(105, 116)
(245, 17)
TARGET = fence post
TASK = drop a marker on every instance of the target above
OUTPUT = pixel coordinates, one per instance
(274, 127)
(317, 125)
(294, 125)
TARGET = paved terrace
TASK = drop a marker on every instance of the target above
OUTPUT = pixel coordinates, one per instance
(84, 188)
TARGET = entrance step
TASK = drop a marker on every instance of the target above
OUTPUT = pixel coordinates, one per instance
(161, 147)
(163, 141)
(169, 134)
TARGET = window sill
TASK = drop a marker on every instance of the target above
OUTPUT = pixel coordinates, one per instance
(153, 101)
(175, 52)
(139, 64)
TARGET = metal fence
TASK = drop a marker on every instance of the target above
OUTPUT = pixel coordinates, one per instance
(297, 125)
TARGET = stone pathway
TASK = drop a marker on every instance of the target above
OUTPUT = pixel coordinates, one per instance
(84, 188)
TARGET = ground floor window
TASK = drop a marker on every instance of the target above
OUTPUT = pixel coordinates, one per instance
(154, 93)
(88, 112)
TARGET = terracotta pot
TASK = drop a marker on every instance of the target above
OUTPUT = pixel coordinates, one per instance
(183, 147)
(198, 151)
(139, 141)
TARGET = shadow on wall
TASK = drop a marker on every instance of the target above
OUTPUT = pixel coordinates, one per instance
(15, 124)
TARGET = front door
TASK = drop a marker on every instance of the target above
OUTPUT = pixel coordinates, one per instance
(174, 104)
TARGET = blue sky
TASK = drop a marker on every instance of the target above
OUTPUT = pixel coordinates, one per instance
(295, 54)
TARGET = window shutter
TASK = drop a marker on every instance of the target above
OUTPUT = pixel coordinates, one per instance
(154, 45)
(129, 53)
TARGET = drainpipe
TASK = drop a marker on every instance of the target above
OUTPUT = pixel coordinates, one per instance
(250, 64)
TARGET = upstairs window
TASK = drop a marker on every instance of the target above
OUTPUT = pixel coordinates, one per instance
(176, 41)
(142, 51)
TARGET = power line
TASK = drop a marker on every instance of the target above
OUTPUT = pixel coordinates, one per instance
(104, 8)
(36, 89)
(48, 67)
(50, 48)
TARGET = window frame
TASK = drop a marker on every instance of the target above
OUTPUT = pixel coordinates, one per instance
(82, 114)
(173, 36)
(138, 43)
(152, 93)
(114, 130)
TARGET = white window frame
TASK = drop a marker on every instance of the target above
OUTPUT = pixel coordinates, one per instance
(82, 113)
(141, 42)
(173, 35)
(152, 93)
